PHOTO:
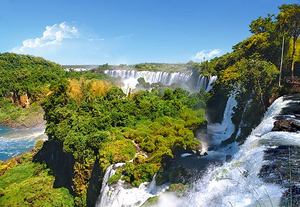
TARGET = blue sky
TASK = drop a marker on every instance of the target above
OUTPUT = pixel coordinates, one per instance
(127, 31)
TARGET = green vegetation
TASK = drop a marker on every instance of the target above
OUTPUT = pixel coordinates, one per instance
(141, 130)
(289, 25)
(14, 116)
(160, 67)
(98, 123)
(23, 74)
(25, 81)
(151, 202)
(265, 43)
(24, 183)
(253, 67)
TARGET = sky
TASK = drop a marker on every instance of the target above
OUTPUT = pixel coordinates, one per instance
(128, 31)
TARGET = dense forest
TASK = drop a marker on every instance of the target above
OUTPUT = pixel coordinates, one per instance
(95, 121)
(261, 67)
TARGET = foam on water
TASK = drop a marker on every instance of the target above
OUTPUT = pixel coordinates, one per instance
(218, 132)
(234, 183)
(120, 194)
(17, 141)
(237, 183)
(186, 79)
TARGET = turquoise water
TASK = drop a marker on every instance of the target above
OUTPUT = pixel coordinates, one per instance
(16, 141)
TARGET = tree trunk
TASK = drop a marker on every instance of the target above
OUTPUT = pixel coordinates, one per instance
(293, 57)
(281, 61)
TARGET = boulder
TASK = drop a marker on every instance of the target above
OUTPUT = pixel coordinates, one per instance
(286, 125)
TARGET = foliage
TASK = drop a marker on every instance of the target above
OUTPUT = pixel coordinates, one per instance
(117, 151)
(29, 184)
(16, 116)
(289, 19)
(145, 127)
(24, 74)
(152, 201)
(87, 75)
(159, 67)
(265, 42)
(178, 188)
(252, 68)
(252, 73)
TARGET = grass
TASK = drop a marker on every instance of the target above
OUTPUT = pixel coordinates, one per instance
(30, 184)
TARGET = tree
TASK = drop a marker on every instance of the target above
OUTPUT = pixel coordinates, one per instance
(289, 24)
(262, 24)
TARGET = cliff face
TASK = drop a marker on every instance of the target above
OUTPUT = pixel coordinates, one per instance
(24, 101)
(62, 166)
(60, 163)
(95, 183)
(247, 113)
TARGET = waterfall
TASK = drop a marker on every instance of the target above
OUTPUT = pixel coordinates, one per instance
(237, 183)
(188, 79)
(121, 194)
(211, 81)
(218, 132)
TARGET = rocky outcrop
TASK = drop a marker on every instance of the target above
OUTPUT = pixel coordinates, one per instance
(24, 101)
(283, 168)
(95, 183)
(60, 163)
(286, 125)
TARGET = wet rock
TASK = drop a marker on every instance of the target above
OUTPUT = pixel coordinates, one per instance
(94, 185)
(228, 158)
(282, 167)
(286, 125)
(291, 197)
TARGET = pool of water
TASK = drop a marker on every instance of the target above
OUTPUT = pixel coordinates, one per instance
(16, 141)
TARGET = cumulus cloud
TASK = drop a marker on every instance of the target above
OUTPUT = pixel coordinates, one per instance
(206, 54)
(53, 35)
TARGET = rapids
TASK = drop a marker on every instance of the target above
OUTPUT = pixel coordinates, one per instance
(238, 182)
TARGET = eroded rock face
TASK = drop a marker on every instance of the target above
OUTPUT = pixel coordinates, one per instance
(24, 101)
(62, 166)
(283, 168)
(282, 162)
(95, 183)
(286, 125)
(60, 163)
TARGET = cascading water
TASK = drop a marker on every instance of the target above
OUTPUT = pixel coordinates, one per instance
(237, 183)
(243, 181)
(119, 194)
(187, 79)
(218, 132)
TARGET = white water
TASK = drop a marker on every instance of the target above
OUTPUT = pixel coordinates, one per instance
(17, 141)
(120, 194)
(186, 79)
(236, 183)
(212, 80)
(218, 132)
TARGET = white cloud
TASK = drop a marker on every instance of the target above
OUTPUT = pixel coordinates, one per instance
(53, 35)
(206, 54)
